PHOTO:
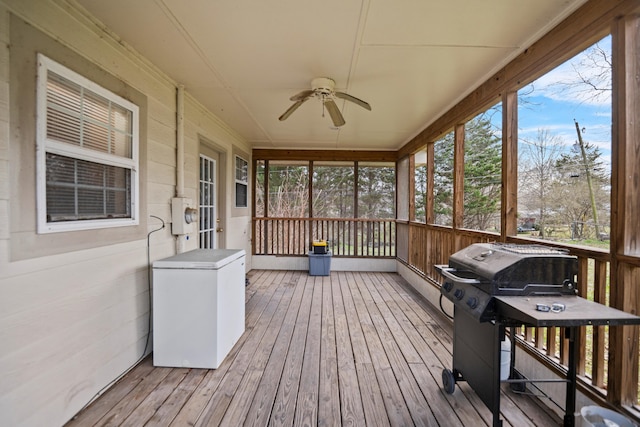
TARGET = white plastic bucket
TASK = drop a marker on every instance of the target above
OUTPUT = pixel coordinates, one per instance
(597, 416)
(505, 359)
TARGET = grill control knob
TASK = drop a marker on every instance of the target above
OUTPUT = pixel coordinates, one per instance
(472, 302)
(447, 286)
(458, 293)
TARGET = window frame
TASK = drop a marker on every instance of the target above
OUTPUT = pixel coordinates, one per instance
(45, 145)
(244, 182)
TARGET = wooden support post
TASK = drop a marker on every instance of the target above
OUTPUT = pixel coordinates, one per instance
(625, 212)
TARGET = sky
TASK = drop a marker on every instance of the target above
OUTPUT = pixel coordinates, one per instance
(552, 106)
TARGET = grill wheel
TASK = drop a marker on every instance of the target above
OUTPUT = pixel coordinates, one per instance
(448, 381)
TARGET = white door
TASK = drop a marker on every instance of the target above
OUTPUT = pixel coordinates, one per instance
(208, 208)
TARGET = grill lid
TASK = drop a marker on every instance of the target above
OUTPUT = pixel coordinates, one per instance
(512, 269)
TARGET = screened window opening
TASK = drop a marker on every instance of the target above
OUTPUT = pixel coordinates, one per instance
(87, 153)
(443, 180)
(483, 170)
(242, 182)
(420, 185)
(565, 151)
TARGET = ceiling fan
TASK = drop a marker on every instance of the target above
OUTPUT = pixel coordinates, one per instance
(323, 88)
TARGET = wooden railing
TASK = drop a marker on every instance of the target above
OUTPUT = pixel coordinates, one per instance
(424, 246)
(430, 245)
(348, 237)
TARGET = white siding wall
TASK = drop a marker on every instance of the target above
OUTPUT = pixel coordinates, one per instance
(73, 322)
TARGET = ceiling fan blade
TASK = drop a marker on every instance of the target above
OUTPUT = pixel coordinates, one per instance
(301, 95)
(291, 109)
(353, 99)
(334, 112)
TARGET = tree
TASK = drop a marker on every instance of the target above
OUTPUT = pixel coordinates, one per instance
(333, 187)
(574, 199)
(482, 174)
(376, 191)
(443, 180)
(536, 174)
(420, 193)
(288, 191)
(590, 79)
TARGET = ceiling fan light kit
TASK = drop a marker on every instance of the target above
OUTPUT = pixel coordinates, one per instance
(323, 88)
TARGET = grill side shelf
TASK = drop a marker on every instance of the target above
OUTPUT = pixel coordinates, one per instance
(578, 312)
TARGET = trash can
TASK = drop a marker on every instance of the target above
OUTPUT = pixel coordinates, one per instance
(319, 264)
(598, 416)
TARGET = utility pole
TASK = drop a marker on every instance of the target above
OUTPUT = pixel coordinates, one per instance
(588, 172)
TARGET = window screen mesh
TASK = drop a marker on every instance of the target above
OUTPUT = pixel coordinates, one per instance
(81, 190)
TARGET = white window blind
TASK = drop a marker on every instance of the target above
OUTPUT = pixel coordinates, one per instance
(242, 182)
(87, 153)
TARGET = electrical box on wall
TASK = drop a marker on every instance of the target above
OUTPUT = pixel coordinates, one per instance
(184, 216)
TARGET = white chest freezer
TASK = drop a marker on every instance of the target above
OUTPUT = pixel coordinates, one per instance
(198, 307)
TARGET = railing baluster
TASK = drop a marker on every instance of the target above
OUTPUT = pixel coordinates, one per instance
(347, 236)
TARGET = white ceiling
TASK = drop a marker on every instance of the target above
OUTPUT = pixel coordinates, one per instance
(410, 59)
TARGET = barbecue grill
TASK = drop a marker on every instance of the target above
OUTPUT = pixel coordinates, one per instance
(494, 285)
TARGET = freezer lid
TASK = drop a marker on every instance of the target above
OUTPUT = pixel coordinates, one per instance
(201, 259)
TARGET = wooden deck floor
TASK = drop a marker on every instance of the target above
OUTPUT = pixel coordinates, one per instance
(350, 349)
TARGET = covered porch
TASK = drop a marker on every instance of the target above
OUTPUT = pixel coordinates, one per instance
(352, 348)
(204, 85)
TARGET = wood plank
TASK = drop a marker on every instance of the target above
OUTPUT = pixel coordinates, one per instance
(174, 403)
(382, 300)
(219, 402)
(115, 394)
(373, 344)
(329, 350)
(370, 393)
(430, 384)
(307, 405)
(382, 318)
(358, 342)
(392, 394)
(283, 412)
(278, 328)
(265, 392)
(328, 393)
(352, 412)
(324, 155)
(471, 408)
(148, 407)
(373, 405)
(201, 397)
(128, 404)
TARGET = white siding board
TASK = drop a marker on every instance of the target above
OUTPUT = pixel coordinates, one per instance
(4, 184)
(203, 122)
(163, 111)
(159, 173)
(162, 194)
(82, 36)
(4, 142)
(159, 151)
(54, 379)
(74, 322)
(4, 221)
(61, 317)
(4, 96)
(68, 260)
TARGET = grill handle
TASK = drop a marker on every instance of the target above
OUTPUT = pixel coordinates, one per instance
(449, 273)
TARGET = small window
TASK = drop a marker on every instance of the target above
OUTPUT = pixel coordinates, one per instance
(87, 164)
(242, 180)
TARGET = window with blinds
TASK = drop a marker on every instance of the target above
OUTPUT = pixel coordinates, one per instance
(242, 182)
(87, 162)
